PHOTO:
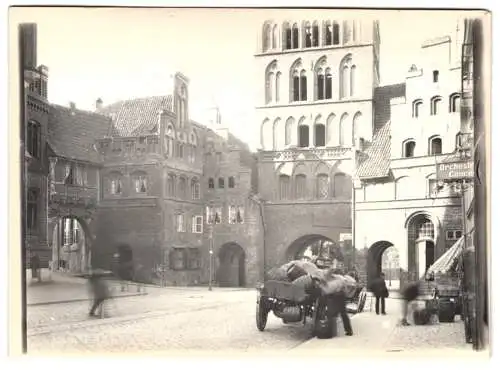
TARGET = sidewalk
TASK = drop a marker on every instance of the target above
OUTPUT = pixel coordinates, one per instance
(382, 334)
(63, 288)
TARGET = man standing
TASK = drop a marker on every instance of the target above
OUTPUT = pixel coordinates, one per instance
(379, 289)
(35, 266)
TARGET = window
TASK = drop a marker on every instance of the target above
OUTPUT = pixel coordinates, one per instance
(221, 182)
(230, 182)
(69, 175)
(195, 189)
(278, 79)
(232, 214)
(417, 108)
(288, 130)
(435, 105)
(347, 77)
(425, 230)
(180, 225)
(197, 224)
(319, 134)
(284, 189)
(210, 214)
(332, 34)
(303, 136)
(308, 35)
(323, 82)
(177, 259)
(211, 184)
(272, 82)
(454, 103)
(274, 44)
(409, 149)
(435, 76)
(115, 184)
(295, 36)
(193, 258)
(33, 139)
(182, 188)
(288, 36)
(435, 146)
(171, 185)
(453, 234)
(315, 35)
(299, 82)
(300, 186)
(140, 183)
(240, 214)
(32, 210)
(322, 186)
(266, 37)
(342, 186)
(218, 215)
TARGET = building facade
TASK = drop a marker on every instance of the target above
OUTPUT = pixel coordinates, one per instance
(316, 82)
(399, 201)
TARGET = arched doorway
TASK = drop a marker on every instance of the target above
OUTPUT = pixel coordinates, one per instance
(421, 245)
(71, 245)
(316, 246)
(374, 259)
(231, 272)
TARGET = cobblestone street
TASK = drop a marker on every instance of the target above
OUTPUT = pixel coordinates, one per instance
(198, 320)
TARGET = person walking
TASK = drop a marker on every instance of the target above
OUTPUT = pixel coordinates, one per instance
(100, 291)
(379, 289)
(35, 266)
(337, 306)
(409, 293)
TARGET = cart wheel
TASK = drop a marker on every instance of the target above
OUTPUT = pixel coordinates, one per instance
(261, 315)
(361, 301)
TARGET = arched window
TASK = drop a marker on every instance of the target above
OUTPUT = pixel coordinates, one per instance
(319, 132)
(272, 86)
(303, 136)
(140, 181)
(211, 184)
(336, 33)
(347, 28)
(266, 138)
(182, 187)
(328, 83)
(287, 36)
(277, 85)
(115, 183)
(352, 80)
(435, 105)
(454, 103)
(288, 130)
(322, 186)
(277, 134)
(300, 186)
(409, 148)
(221, 182)
(435, 145)
(435, 76)
(345, 134)
(417, 108)
(230, 182)
(33, 139)
(275, 37)
(328, 38)
(308, 35)
(342, 187)
(299, 82)
(295, 36)
(347, 77)
(195, 189)
(407, 188)
(332, 131)
(356, 126)
(323, 80)
(171, 185)
(320, 84)
(315, 34)
(284, 181)
(266, 37)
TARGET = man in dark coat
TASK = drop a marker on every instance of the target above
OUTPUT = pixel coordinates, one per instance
(409, 293)
(379, 289)
(35, 266)
(100, 291)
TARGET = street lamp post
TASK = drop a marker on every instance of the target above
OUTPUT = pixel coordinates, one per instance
(210, 253)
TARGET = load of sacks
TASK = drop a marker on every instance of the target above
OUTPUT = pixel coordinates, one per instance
(304, 274)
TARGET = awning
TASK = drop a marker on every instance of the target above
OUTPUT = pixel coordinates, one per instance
(446, 262)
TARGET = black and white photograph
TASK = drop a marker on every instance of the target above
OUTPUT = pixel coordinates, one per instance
(250, 180)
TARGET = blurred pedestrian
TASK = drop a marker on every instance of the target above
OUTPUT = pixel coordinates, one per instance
(379, 289)
(100, 291)
(35, 266)
(409, 293)
(337, 306)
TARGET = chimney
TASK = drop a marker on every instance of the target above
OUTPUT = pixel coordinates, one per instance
(98, 104)
(72, 105)
(28, 44)
(44, 81)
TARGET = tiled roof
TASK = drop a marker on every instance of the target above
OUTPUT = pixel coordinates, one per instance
(73, 133)
(136, 117)
(378, 155)
(376, 158)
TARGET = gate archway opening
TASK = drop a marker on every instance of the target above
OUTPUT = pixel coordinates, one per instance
(421, 245)
(71, 250)
(231, 271)
(374, 259)
(309, 247)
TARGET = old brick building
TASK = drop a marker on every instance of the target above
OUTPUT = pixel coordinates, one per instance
(316, 83)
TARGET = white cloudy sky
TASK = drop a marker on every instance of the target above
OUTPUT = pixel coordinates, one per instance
(123, 53)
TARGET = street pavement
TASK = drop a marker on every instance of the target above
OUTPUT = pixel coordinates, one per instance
(194, 319)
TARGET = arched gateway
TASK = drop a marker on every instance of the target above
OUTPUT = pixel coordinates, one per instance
(314, 245)
(374, 259)
(231, 272)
